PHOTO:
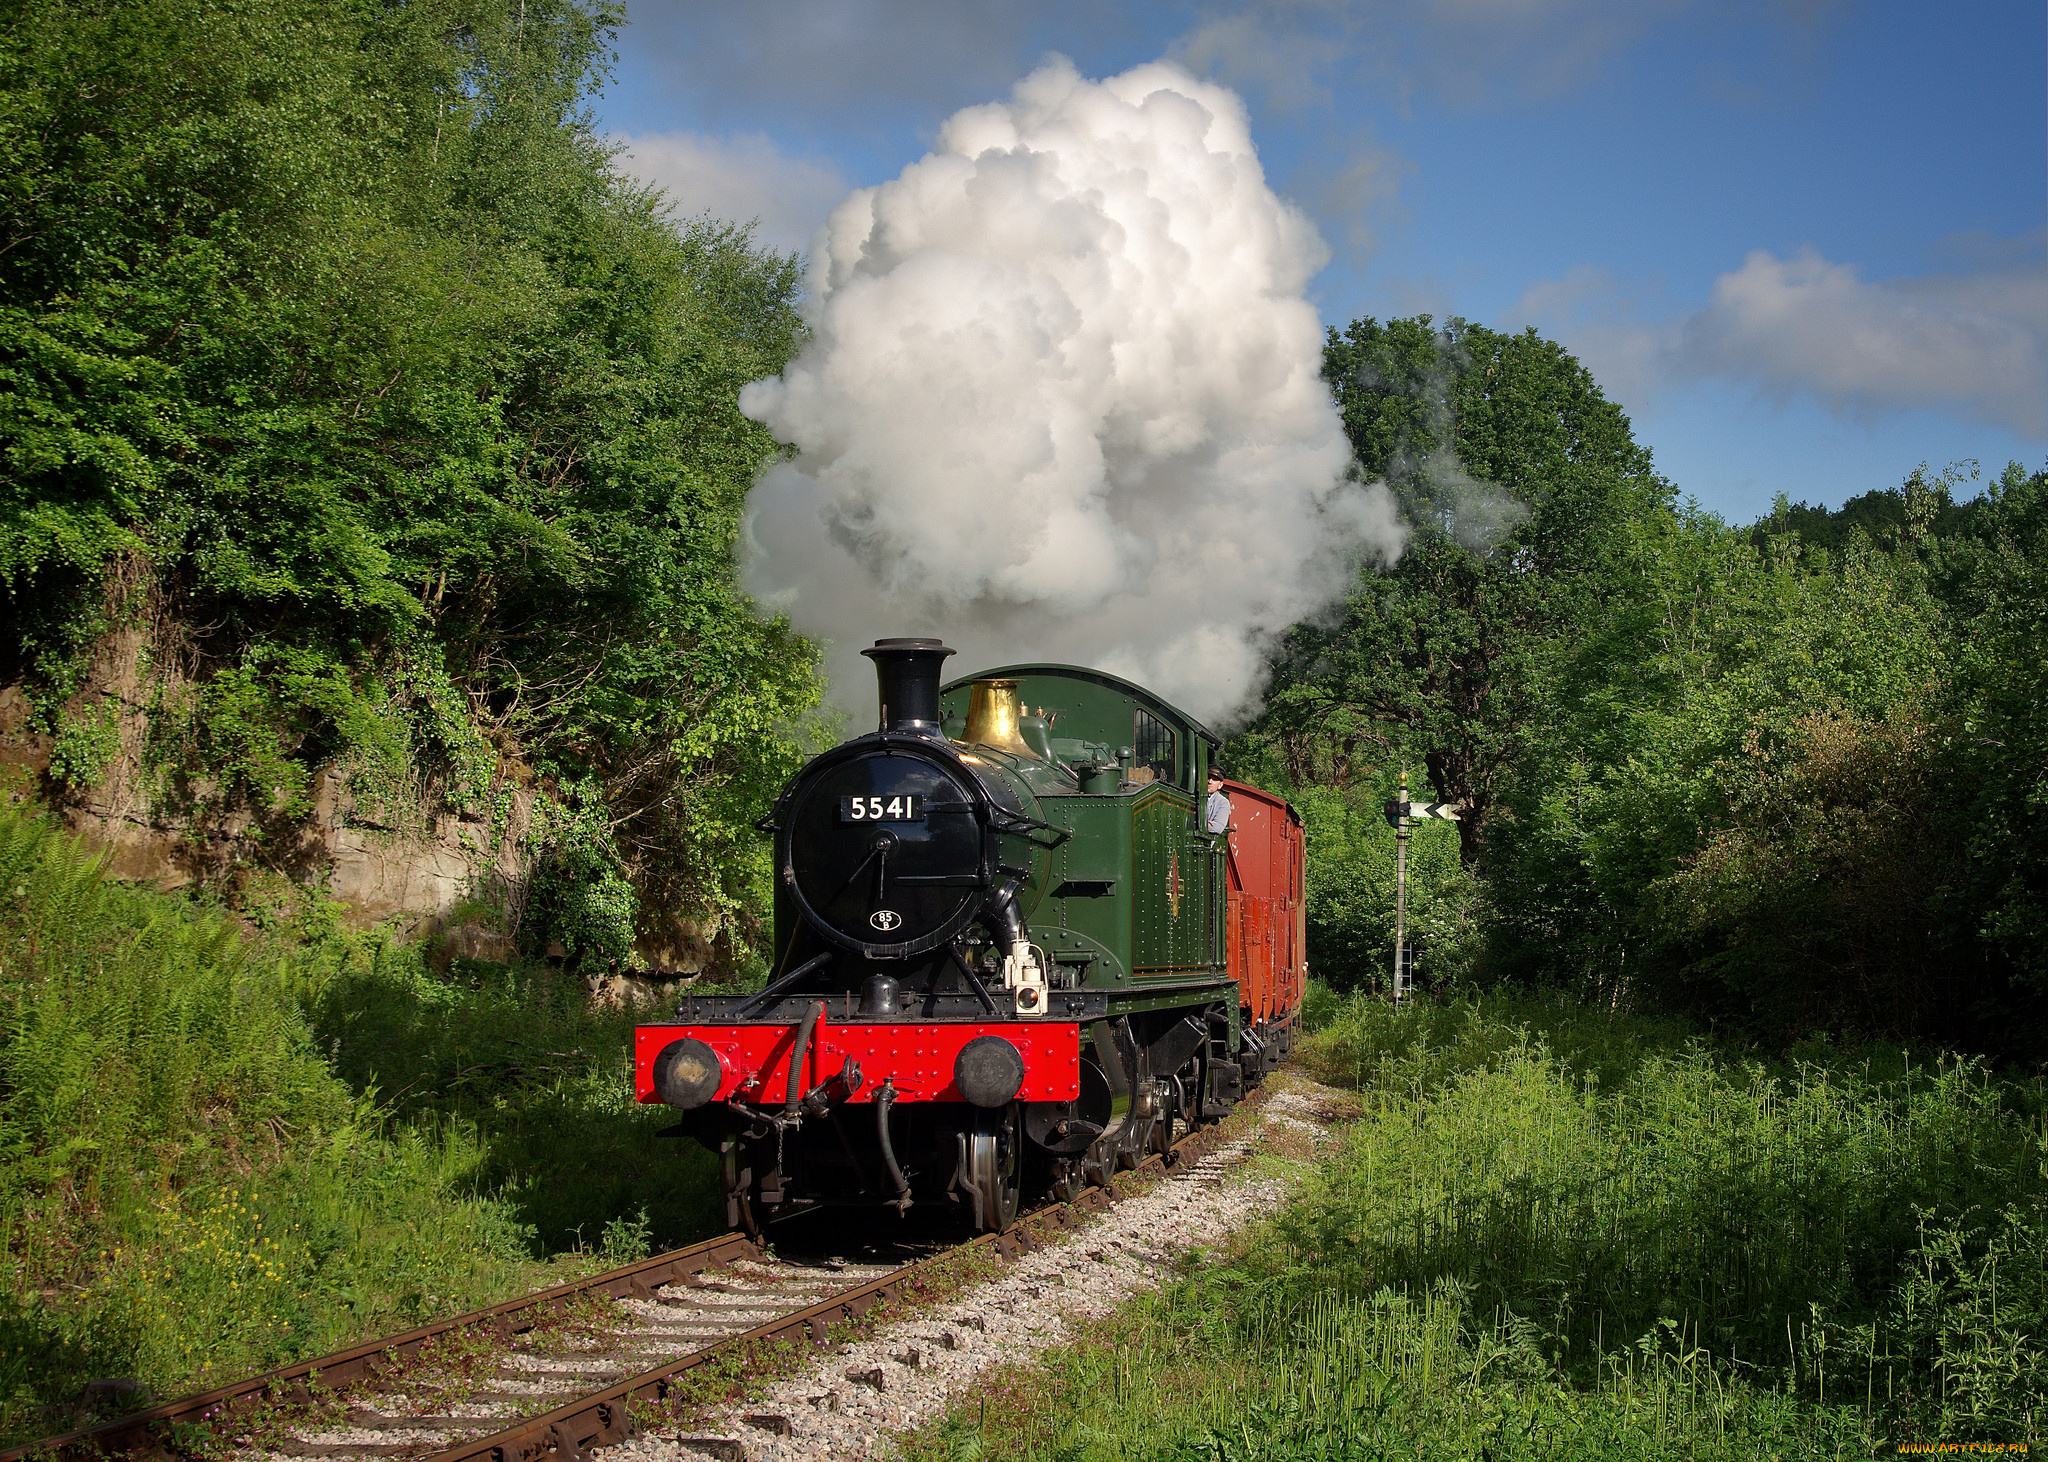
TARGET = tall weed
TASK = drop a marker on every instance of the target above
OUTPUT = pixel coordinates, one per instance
(187, 1188)
(1558, 1232)
(540, 1076)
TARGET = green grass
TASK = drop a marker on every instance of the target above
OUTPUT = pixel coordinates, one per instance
(1558, 1233)
(220, 1151)
(539, 1078)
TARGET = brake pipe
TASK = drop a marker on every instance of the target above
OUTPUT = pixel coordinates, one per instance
(973, 980)
(793, 1106)
(885, 1099)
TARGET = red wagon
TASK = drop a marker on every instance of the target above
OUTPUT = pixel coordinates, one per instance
(1267, 919)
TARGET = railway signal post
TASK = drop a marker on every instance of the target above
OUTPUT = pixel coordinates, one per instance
(1398, 812)
(1401, 889)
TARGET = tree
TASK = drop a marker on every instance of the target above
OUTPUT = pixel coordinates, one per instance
(1521, 484)
(335, 352)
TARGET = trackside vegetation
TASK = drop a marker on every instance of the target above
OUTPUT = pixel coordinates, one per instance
(342, 373)
(220, 1151)
(1786, 777)
(1561, 1234)
(370, 451)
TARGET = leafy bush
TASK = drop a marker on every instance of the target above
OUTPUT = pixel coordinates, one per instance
(188, 1189)
(1350, 892)
(579, 893)
(335, 356)
(1558, 1233)
(1786, 775)
(84, 747)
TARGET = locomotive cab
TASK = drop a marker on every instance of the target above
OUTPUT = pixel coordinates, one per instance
(1001, 956)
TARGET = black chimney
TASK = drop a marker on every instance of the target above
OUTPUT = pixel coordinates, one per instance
(909, 674)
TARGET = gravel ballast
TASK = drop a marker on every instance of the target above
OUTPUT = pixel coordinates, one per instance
(852, 1402)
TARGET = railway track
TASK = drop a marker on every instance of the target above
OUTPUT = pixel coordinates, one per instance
(557, 1373)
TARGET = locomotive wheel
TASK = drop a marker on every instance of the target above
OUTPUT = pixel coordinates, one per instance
(740, 1205)
(1067, 1179)
(1137, 1138)
(995, 1159)
(1172, 1104)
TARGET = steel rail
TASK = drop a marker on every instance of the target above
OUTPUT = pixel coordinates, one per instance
(601, 1417)
(146, 1429)
(604, 1418)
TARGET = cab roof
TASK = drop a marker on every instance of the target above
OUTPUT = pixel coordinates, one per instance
(1164, 707)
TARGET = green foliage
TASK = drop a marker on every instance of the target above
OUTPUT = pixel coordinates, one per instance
(418, 423)
(1350, 888)
(1558, 1233)
(186, 1188)
(578, 893)
(2000, 577)
(1418, 1050)
(1392, 1376)
(540, 1079)
(1770, 1220)
(1765, 787)
(1862, 1229)
(1788, 776)
(84, 747)
(1520, 482)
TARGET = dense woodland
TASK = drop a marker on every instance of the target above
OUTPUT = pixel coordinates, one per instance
(1791, 775)
(340, 364)
(336, 353)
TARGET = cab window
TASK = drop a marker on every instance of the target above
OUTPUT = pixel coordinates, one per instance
(1155, 752)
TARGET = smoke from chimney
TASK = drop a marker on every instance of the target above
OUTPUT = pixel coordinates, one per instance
(1062, 402)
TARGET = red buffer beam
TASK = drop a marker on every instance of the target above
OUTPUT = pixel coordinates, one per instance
(918, 1058)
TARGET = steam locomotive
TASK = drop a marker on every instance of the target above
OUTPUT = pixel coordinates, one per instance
(1009, 957)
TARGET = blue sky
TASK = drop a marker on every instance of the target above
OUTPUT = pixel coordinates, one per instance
(1802, 242)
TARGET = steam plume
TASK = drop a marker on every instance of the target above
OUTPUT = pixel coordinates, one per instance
(1062, 402)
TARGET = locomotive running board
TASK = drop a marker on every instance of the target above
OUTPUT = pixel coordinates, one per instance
(1077, 1005)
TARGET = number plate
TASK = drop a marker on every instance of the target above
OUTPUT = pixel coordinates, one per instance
(901, 808)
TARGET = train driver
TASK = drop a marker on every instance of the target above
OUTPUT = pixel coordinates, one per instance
(1219, 803)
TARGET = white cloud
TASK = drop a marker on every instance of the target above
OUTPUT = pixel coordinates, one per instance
(1972, 343)
(1063, 401)
(737, 178)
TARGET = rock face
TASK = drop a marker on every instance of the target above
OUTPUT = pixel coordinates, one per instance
(456, 876)
(413, 877)
(385, 875)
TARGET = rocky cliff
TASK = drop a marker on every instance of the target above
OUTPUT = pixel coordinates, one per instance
(414, 872)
